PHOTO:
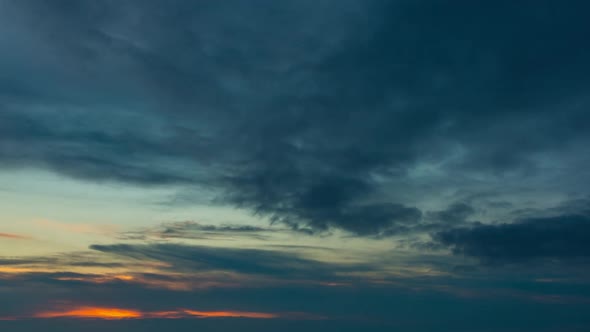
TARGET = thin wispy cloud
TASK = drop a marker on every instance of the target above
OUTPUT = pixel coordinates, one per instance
(14, 236)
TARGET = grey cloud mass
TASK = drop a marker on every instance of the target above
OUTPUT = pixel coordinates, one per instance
(318, 115)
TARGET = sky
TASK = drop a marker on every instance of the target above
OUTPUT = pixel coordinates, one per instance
(294, 165)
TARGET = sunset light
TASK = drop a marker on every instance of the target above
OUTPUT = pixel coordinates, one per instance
(92, 312)
(112, 313)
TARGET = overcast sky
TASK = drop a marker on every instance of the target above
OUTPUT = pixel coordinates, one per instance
(294, 165)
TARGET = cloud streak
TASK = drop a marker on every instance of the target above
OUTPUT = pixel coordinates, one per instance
(14, 236)
(195, 230)
(248, 261)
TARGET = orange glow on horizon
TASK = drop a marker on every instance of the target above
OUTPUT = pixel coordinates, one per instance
(109, 313)
(92, 312)
(124, 277)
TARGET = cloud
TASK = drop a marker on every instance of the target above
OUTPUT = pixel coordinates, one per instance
(68, 261)
(456, 213)
(80, 228)
(247, 261)
(14, 236)
(195, 230)
(180, 267)
(316, 115)
(73, 304)
(356, 118)
(562, 238)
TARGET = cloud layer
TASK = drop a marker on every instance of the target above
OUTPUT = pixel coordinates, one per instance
(304, 112)
(562, 238)
(406, 165)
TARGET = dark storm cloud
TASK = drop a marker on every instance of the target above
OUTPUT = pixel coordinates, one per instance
(563, 238)
(303, 111)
